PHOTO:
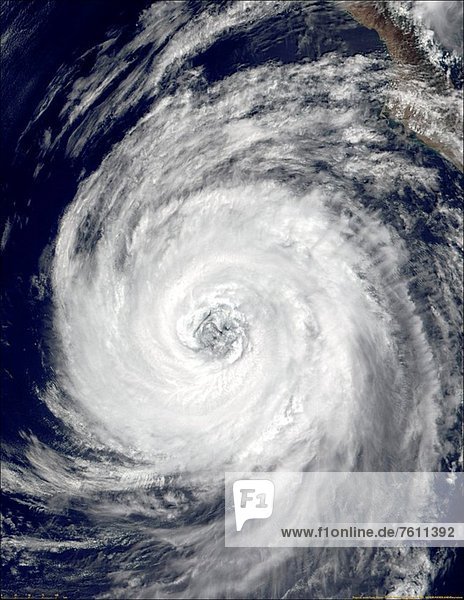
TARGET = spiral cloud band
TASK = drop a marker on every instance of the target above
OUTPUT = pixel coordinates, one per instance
(238, 286)
(235, 310)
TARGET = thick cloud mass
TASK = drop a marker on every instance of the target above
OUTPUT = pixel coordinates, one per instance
(241, 284)
(201, 289)
(444, 19)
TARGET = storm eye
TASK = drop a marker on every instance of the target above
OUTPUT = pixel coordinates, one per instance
(218, 332)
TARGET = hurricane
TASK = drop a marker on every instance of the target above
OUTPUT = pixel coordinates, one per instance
(257, 267)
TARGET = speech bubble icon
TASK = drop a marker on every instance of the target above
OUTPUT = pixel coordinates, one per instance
(253, 499)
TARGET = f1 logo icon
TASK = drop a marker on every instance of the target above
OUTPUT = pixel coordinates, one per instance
(253, 499)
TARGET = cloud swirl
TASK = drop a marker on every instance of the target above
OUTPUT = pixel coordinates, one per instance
(240, 284)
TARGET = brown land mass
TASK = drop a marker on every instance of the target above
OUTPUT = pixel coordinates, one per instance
(403, 48)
